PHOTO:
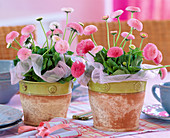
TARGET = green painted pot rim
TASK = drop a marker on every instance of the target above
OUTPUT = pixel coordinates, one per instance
(45, 88)
(118, 87)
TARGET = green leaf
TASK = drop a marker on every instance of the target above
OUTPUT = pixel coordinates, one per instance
(118, 72)
(70, 52)
(64, 80)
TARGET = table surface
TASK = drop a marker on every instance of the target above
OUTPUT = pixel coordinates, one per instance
(149, 99)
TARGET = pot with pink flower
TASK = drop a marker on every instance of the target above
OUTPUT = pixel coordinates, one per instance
(45, 73)
(116, 79)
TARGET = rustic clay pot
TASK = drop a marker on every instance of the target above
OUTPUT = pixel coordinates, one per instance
(42, 101)
(117, 106)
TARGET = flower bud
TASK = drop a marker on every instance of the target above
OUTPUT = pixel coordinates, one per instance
(39, 18)
(113, 32)
(105, 17)
(124, 63)
(81, 24)
(8, 45)
(132, 46)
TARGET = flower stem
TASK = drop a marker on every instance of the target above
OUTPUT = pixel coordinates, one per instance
(14, 48)
(51, 40)
(124, 44)
(44, 34)
(17, 43)
(66, 25)
(141, 44)
(125, 38)
(93, 39)
(49, 49)
(44, 44)
(32, 41)
(131, 27)
(129, 59)
(114, 40)
(108, 42)
(119, 31)
(70, 37)
(91, 54)
(73, 38)
(157, 67)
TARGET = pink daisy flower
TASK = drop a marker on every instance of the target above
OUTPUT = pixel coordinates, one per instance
(143, 35)
(58, 32)
(25, 40)
(27, 29)
(54, 25)
(136, 24)
(49, 34)
(62, 46)
(130, 37)
(24, 53)
(115, 52)
(56, 38)
(133, 9)
(75, 27)
(113, 32)
(150, 51)
(84, 47)
(116, 14)
(105, 17)
(11, 36)
(158, 58)
(163, 73)
(96, 49)
(90, 29)
(77, 69)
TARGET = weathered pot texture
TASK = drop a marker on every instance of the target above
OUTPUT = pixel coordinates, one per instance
(42, 101)
(117, 106)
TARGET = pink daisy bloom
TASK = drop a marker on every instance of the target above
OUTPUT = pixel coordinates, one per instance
(84, 47)
(27, 29)
(150, 51)
(57, 32)
(49, 34)
(133, 9)
(105, 17)
(132, 46)
(62, 46)
(113, 32)
(24, 53)
(90, 29)
(163, 73)
(115, 52)
(56, 38)
(130, 37)
(143, 35)
(96, 49)
(75, 27)
(25, 40)
(53, 25)
(158, 59)
(116, 14)
(67, 10)
(77, 69)
(136, 24)
(11, 36)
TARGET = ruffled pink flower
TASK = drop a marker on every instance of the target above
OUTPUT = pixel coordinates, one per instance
(130, 37)
(58, 32)
(24, 53)
(84, 47)
(115, 52)
(150, 51)
(62, 46)
(143, 35)
(116, 14)
(77, 69)
(76, 27)
(136, 24)
(90, 29)
(56, 38)
(27, 29)
(11, 36)
(96, 49)
(133, 9)
(49, 34)
(158, 59)
(163, 73)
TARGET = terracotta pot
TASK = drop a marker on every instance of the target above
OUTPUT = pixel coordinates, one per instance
(42, 101)
(117, 106)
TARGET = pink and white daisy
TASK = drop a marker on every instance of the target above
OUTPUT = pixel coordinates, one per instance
(49, 34)
(113, 32)
(61, 46)
(24, 53)
(150, 51)
(130, 37)
(133, 9)
(115, 52)
(158, 58)
(105, 17)
(25, 40)
(58, 32)
(116, 14)
(136, 24)
(132, 46)
(11, 36)
(54, 25)
(77, 69)
(96, 49)
(143, 35)
(75, 27)
(90, 29)
(56, 38)
(84, 47)
(27, 29)
(67, 10)
(163, 73)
